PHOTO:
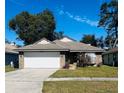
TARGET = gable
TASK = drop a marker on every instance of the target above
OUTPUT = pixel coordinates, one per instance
(66, 39)
(43, 42)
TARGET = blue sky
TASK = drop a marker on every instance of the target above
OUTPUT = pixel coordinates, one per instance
(74, 17)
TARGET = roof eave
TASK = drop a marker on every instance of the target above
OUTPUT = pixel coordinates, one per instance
(11, 52)
(33, 50)
(109, 52)
(87, 51)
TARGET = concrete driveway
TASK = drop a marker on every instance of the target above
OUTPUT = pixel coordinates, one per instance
(27, 80)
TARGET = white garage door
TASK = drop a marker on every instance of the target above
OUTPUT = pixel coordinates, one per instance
(41, 60)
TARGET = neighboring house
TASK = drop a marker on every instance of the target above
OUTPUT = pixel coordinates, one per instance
(47, 54)
(111, 57)
(11, 55)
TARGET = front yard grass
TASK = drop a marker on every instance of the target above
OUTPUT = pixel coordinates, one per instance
(8, 68)
(80, 87)
(103, 71)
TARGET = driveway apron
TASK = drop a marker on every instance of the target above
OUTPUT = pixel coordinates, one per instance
(27, 80)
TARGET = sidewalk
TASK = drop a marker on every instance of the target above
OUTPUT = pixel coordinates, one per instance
(82, 79)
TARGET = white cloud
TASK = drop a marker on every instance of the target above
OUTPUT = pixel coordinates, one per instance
(68, 14)
(92, 23)
(61, 12)
(79, 18)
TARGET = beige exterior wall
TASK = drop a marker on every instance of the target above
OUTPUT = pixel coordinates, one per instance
(62, 60)
(21, 60)
(98, 58)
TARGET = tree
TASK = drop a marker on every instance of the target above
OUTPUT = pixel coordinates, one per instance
(58, 35)
(109, 20)
(100, 42)
(89, 39)
(30, 28)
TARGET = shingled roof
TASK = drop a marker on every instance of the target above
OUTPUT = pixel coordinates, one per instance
(113, 50)
(9, 48)
(43, 45)
(60, 45)
(78, 47)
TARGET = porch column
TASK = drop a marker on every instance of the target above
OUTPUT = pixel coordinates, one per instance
(21, 60)
(62, 60)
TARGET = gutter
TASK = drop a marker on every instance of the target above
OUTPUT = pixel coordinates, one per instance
(40, 50)
(87, 50)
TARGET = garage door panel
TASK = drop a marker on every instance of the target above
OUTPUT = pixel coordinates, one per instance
(42, 60)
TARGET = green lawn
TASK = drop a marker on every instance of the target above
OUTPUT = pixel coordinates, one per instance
(80, 87)
(103, 71)
(8, 68)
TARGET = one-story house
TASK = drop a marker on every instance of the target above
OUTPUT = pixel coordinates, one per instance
(110, 57)
(11, 55)
(55, 54)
